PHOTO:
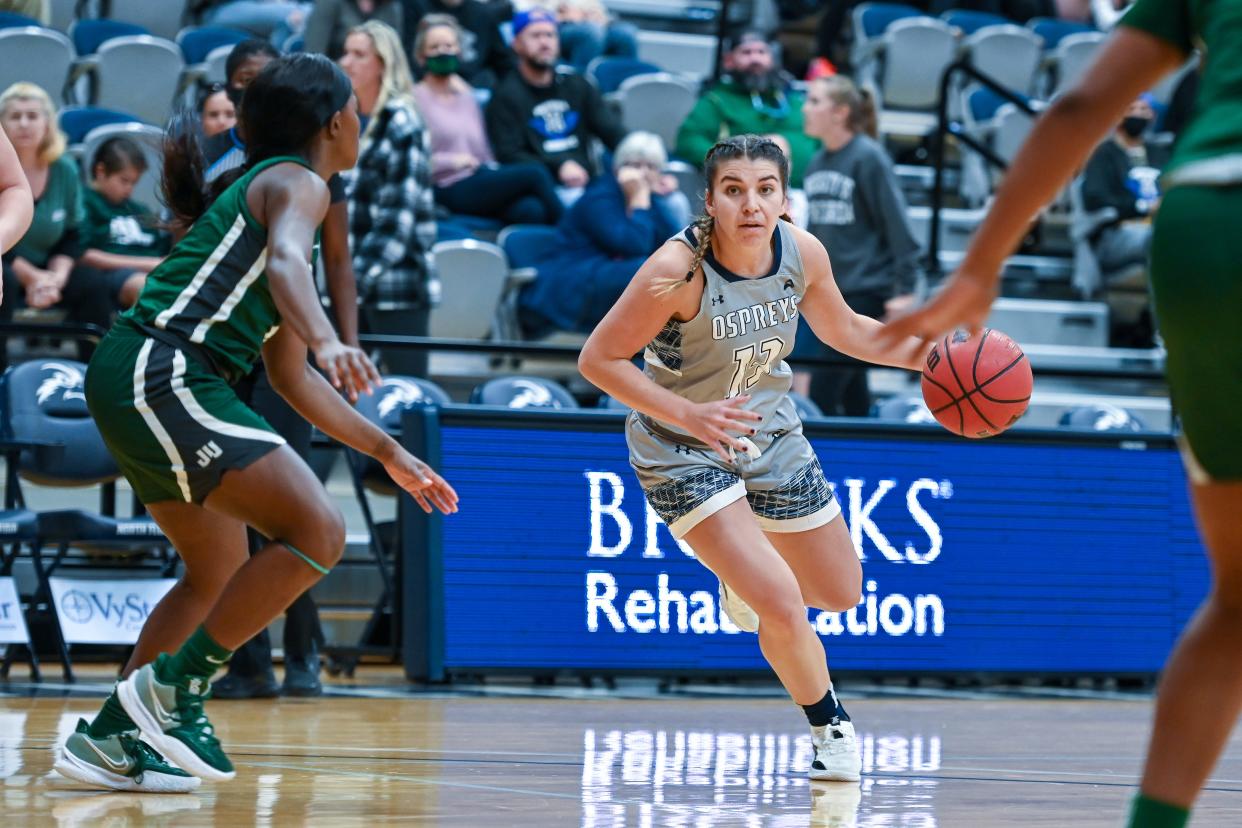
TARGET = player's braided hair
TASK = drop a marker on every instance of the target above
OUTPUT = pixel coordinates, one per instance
(752, 148)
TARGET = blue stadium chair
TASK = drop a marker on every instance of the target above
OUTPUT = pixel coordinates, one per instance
(89, 35)
(527, 245)
(523, 392)
(197, 42)
(1101, 417)
(13, 20)
(134, 73)
(1053, 31)
(970, 21)
(609, 72)
(903, 409)
(44, 408)
(871, 19)
(77, 121)
(807, 410)
(985, 103)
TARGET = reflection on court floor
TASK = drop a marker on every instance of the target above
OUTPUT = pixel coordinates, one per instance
(595, 760)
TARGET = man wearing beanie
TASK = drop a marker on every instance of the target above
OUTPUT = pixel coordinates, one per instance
(539, 114)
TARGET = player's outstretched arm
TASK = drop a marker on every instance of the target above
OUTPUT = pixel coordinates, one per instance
(284, 356)
(634, 321)
(16, 205)
(1130, 62)
(291, 202)
(832, 320)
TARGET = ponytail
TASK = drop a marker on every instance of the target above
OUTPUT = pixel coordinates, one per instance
(863, 117)
(182, 184)
(664, 285)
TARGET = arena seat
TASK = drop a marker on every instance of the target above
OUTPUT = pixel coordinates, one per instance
(13, 20)
(656, 103)
(44, 407)
(1008, 54)
(969, 21)
(807, 409)
(139, 74)
(1053, 30)
(163, 18)
(197, 42)
(37, 55)
(1065, 63)
(88, 35)
(77, 121)
(150, 139)
(523, 392)
(905, 66)
(473, 275)
(609, 72)
(1101, 417)
(903, 409)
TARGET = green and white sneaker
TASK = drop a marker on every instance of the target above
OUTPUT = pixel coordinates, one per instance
(121, 762)
(171, 717)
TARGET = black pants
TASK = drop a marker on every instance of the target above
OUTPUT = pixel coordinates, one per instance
(843, 392)
(514, 193)
(408, 362)
(302, 630)
(89, 297)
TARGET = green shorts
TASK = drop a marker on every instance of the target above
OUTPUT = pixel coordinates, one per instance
(1196, 275)
(173, 426)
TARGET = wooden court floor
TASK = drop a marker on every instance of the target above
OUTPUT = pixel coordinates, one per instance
(579, 758)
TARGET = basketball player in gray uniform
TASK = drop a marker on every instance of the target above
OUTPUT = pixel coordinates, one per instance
(715, 439)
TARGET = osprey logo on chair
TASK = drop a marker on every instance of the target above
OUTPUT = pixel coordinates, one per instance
(208, 453)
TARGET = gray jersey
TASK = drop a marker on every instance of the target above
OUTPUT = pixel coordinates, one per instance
(738, 341)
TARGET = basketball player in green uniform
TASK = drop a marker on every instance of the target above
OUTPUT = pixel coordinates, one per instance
(1196, 273)
(238, 285)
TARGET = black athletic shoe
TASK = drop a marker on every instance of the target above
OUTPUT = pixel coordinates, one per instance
(246, 687)
(302, 676)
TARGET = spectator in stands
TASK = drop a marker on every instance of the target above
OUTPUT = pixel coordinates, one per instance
(857, 210)
(538, 114)
(605, 237)
(485, 60)
(276, 20)
(391, 202)
(1122, 174)
(587, 31)
(121, 237)
(467, 178)
(331, 20)
(216, 112)
(225, 150)
(39, 270)
(755, 96)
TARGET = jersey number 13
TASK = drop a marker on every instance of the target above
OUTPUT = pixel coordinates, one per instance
(751, 362)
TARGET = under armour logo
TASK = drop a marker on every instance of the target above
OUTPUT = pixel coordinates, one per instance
(789, 284)
(718, 299)
(208, 453)
(679, 448)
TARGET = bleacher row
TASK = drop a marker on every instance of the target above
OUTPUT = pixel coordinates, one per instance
(125, 73)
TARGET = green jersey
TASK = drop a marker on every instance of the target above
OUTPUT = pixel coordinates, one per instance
(1214, 27)
(125, 229)
(212, 289)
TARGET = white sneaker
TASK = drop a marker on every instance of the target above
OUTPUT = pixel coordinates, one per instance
(836, 753)
(742, 616)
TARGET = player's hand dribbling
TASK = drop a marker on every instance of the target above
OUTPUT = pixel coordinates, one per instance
(716, 423)
(416, 477)
(349, 369)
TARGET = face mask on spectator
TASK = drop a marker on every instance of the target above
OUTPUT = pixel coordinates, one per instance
(442, 64)
(1135, 125)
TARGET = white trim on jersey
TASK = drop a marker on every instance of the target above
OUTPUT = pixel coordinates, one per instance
(206, 420)
(225, 309)
(153, 422)
(801, 524)
(191, 290)
(679, 527)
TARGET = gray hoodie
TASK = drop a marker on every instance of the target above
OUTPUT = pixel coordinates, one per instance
(858, 212)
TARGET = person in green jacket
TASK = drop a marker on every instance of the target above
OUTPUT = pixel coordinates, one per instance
(754, 97)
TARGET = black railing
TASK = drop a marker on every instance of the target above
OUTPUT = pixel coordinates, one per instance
(945, 127)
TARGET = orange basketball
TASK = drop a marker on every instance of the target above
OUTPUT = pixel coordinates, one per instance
(977, 386)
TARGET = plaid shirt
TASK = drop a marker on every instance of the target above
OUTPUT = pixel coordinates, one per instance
(392, 213)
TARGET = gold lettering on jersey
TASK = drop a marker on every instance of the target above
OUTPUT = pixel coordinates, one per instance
(748, 320)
